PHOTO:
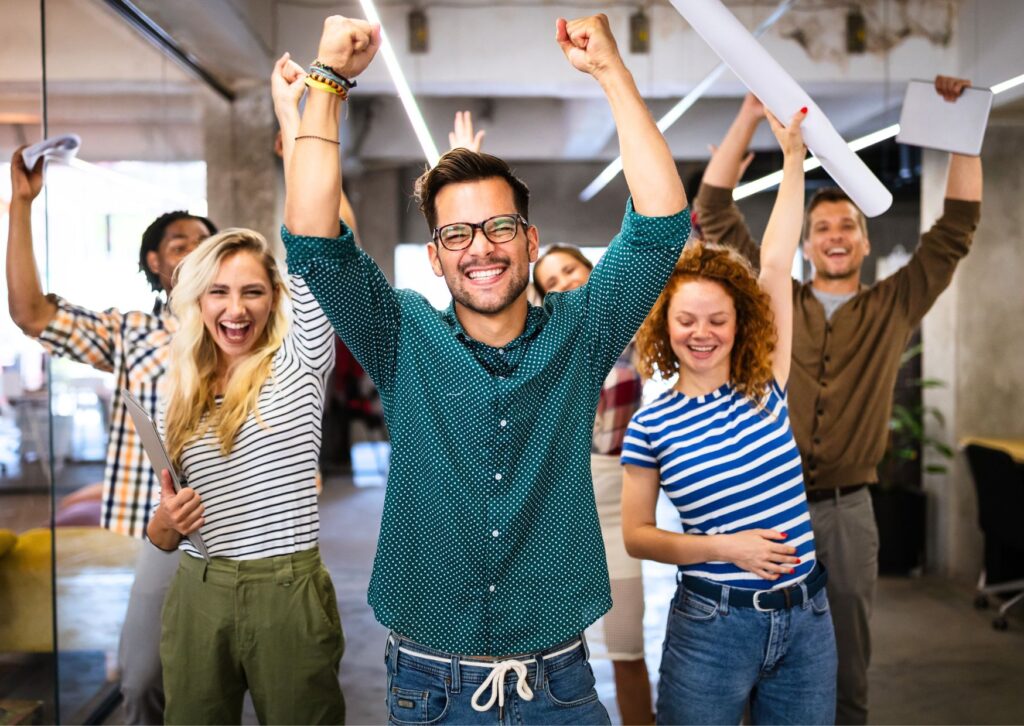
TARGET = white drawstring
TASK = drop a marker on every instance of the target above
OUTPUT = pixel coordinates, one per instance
(496, 681)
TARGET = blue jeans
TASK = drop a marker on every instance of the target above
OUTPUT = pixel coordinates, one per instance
(427, 686)
(716, 658)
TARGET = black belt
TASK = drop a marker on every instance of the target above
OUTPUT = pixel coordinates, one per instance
(781, 599)
(823, 495)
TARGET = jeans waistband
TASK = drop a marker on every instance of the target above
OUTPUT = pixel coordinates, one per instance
(487, 675)
(783, 598)
(280, 569)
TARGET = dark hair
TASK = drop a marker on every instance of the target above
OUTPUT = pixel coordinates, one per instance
(462, 165)
(154, 235)
(575, 252)
(832, 194)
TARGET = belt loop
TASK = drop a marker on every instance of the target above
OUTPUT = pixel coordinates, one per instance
(456, 686)
(538, 678)
(394, 643)
(836, 496)
(723, 600)
(803, 592)
(283, 572)
(586, 648)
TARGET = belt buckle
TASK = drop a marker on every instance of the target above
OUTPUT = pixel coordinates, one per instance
(757, 606)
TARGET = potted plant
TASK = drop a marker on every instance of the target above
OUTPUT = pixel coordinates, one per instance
(899, 501)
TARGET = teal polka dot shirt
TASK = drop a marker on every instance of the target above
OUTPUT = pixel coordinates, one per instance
(489, 543)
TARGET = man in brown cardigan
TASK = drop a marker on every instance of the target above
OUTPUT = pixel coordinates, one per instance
(847, 342)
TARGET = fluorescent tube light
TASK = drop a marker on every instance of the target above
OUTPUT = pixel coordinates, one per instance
(419, 125)
(772, 180)
(612, 170)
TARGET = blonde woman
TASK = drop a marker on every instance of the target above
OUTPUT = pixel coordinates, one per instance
(242, 419)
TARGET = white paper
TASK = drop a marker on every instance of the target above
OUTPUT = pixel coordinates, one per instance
(930, 121)
(59, 148)
(783, 96)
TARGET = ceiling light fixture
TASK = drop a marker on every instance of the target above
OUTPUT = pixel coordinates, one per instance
(772, 180)
(612, 170)
(412, 109)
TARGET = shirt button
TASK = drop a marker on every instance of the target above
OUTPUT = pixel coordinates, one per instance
(495, 533)
(497, 477)
(491, 588)
(501, 351)
(503, 423)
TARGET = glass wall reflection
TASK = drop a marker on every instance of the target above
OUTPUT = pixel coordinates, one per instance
(27, 663)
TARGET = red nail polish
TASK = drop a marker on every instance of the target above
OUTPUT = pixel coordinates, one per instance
(784, 535)
(792, 572)
(803, 110)
(798, 560)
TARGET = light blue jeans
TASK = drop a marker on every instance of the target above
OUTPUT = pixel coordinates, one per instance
(427, 686)
(716, 658)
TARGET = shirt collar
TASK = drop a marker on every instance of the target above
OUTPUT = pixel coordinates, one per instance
(534, 321)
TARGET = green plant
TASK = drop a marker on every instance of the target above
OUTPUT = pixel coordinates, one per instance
(908, 440)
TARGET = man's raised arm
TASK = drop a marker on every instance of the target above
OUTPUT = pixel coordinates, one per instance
(647, 162)
(30, 309)
(718, 216)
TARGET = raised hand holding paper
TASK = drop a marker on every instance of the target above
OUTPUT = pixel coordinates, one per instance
(59, 148)
(783, 96)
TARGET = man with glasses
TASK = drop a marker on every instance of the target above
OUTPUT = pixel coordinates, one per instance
(490, 558)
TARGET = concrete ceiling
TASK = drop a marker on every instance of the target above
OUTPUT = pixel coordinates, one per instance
(497, 58)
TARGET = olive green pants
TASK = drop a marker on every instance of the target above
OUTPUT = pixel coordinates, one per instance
(270, 626)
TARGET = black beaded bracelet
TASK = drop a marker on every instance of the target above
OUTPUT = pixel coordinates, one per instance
(326, 70)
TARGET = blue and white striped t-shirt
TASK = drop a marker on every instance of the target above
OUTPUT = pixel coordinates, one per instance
(727, 467)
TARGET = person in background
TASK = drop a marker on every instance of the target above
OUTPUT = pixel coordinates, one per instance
(559, 269)
(134, 347)
(847, 342)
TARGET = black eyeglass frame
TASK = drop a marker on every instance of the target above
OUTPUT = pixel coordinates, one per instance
(474, 226)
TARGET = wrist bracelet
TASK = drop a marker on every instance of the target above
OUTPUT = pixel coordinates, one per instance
(321, 138)
(322, 69)
(319, 85)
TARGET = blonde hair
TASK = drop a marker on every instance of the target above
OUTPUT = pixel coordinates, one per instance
(192, 407)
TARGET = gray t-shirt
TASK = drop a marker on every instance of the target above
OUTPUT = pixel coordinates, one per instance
(831, 302)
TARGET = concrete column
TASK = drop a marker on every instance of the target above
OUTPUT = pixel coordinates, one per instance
(243, 186)
(973, 339)
(378, 198)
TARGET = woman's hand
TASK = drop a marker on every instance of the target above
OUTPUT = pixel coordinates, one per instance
(462, 136)
(25, 183)
(757, 551)
(181, 512)
(287, 84)
(790, 139)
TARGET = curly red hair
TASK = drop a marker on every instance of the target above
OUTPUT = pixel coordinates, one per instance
(750, 362)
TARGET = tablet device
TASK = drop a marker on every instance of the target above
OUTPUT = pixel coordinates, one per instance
(157, 454)
(930, 121)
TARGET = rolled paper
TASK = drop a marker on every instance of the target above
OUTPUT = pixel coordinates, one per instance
(783, 96)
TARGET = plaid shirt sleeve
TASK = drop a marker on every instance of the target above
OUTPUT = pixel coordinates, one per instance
(83, 335)
(621, 396)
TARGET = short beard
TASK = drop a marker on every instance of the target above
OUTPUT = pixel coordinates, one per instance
(826, 275)
(516, 286)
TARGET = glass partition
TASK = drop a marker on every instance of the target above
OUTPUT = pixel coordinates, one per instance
(28, 692)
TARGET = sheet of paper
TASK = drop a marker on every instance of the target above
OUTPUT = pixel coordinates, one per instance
(930, 121)
(59, 148)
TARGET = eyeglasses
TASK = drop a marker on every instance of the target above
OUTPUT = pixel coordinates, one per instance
(499, 229)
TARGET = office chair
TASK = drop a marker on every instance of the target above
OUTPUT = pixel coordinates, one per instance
(999, 481)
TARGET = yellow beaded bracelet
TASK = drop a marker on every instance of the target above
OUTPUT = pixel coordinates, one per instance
(320, 85)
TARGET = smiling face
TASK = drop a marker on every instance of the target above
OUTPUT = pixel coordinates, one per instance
(181, 237)
(836, 242)
(236, 306)
(702, 330)
(559, 272)
(484, 277)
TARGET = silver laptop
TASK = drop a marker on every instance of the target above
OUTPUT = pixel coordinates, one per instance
(930, 121)
(157, 454)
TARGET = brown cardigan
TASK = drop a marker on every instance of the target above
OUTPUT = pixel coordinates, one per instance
(844, 369)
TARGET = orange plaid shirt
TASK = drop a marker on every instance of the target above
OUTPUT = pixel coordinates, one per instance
(135, 347)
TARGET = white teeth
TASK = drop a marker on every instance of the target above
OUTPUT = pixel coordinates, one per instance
(235, 326)
(484, 274)
(702, 348)
(836, 252)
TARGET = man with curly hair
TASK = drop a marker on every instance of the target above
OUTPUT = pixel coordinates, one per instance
(847, 342)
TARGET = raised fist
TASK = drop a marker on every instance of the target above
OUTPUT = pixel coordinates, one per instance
(588, 43)
(348, 45)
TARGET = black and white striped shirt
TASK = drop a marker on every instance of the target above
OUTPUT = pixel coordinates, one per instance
(261, 500)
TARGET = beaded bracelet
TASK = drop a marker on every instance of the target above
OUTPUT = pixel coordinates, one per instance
(322, 85)
(319, 138)
(322, 69)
